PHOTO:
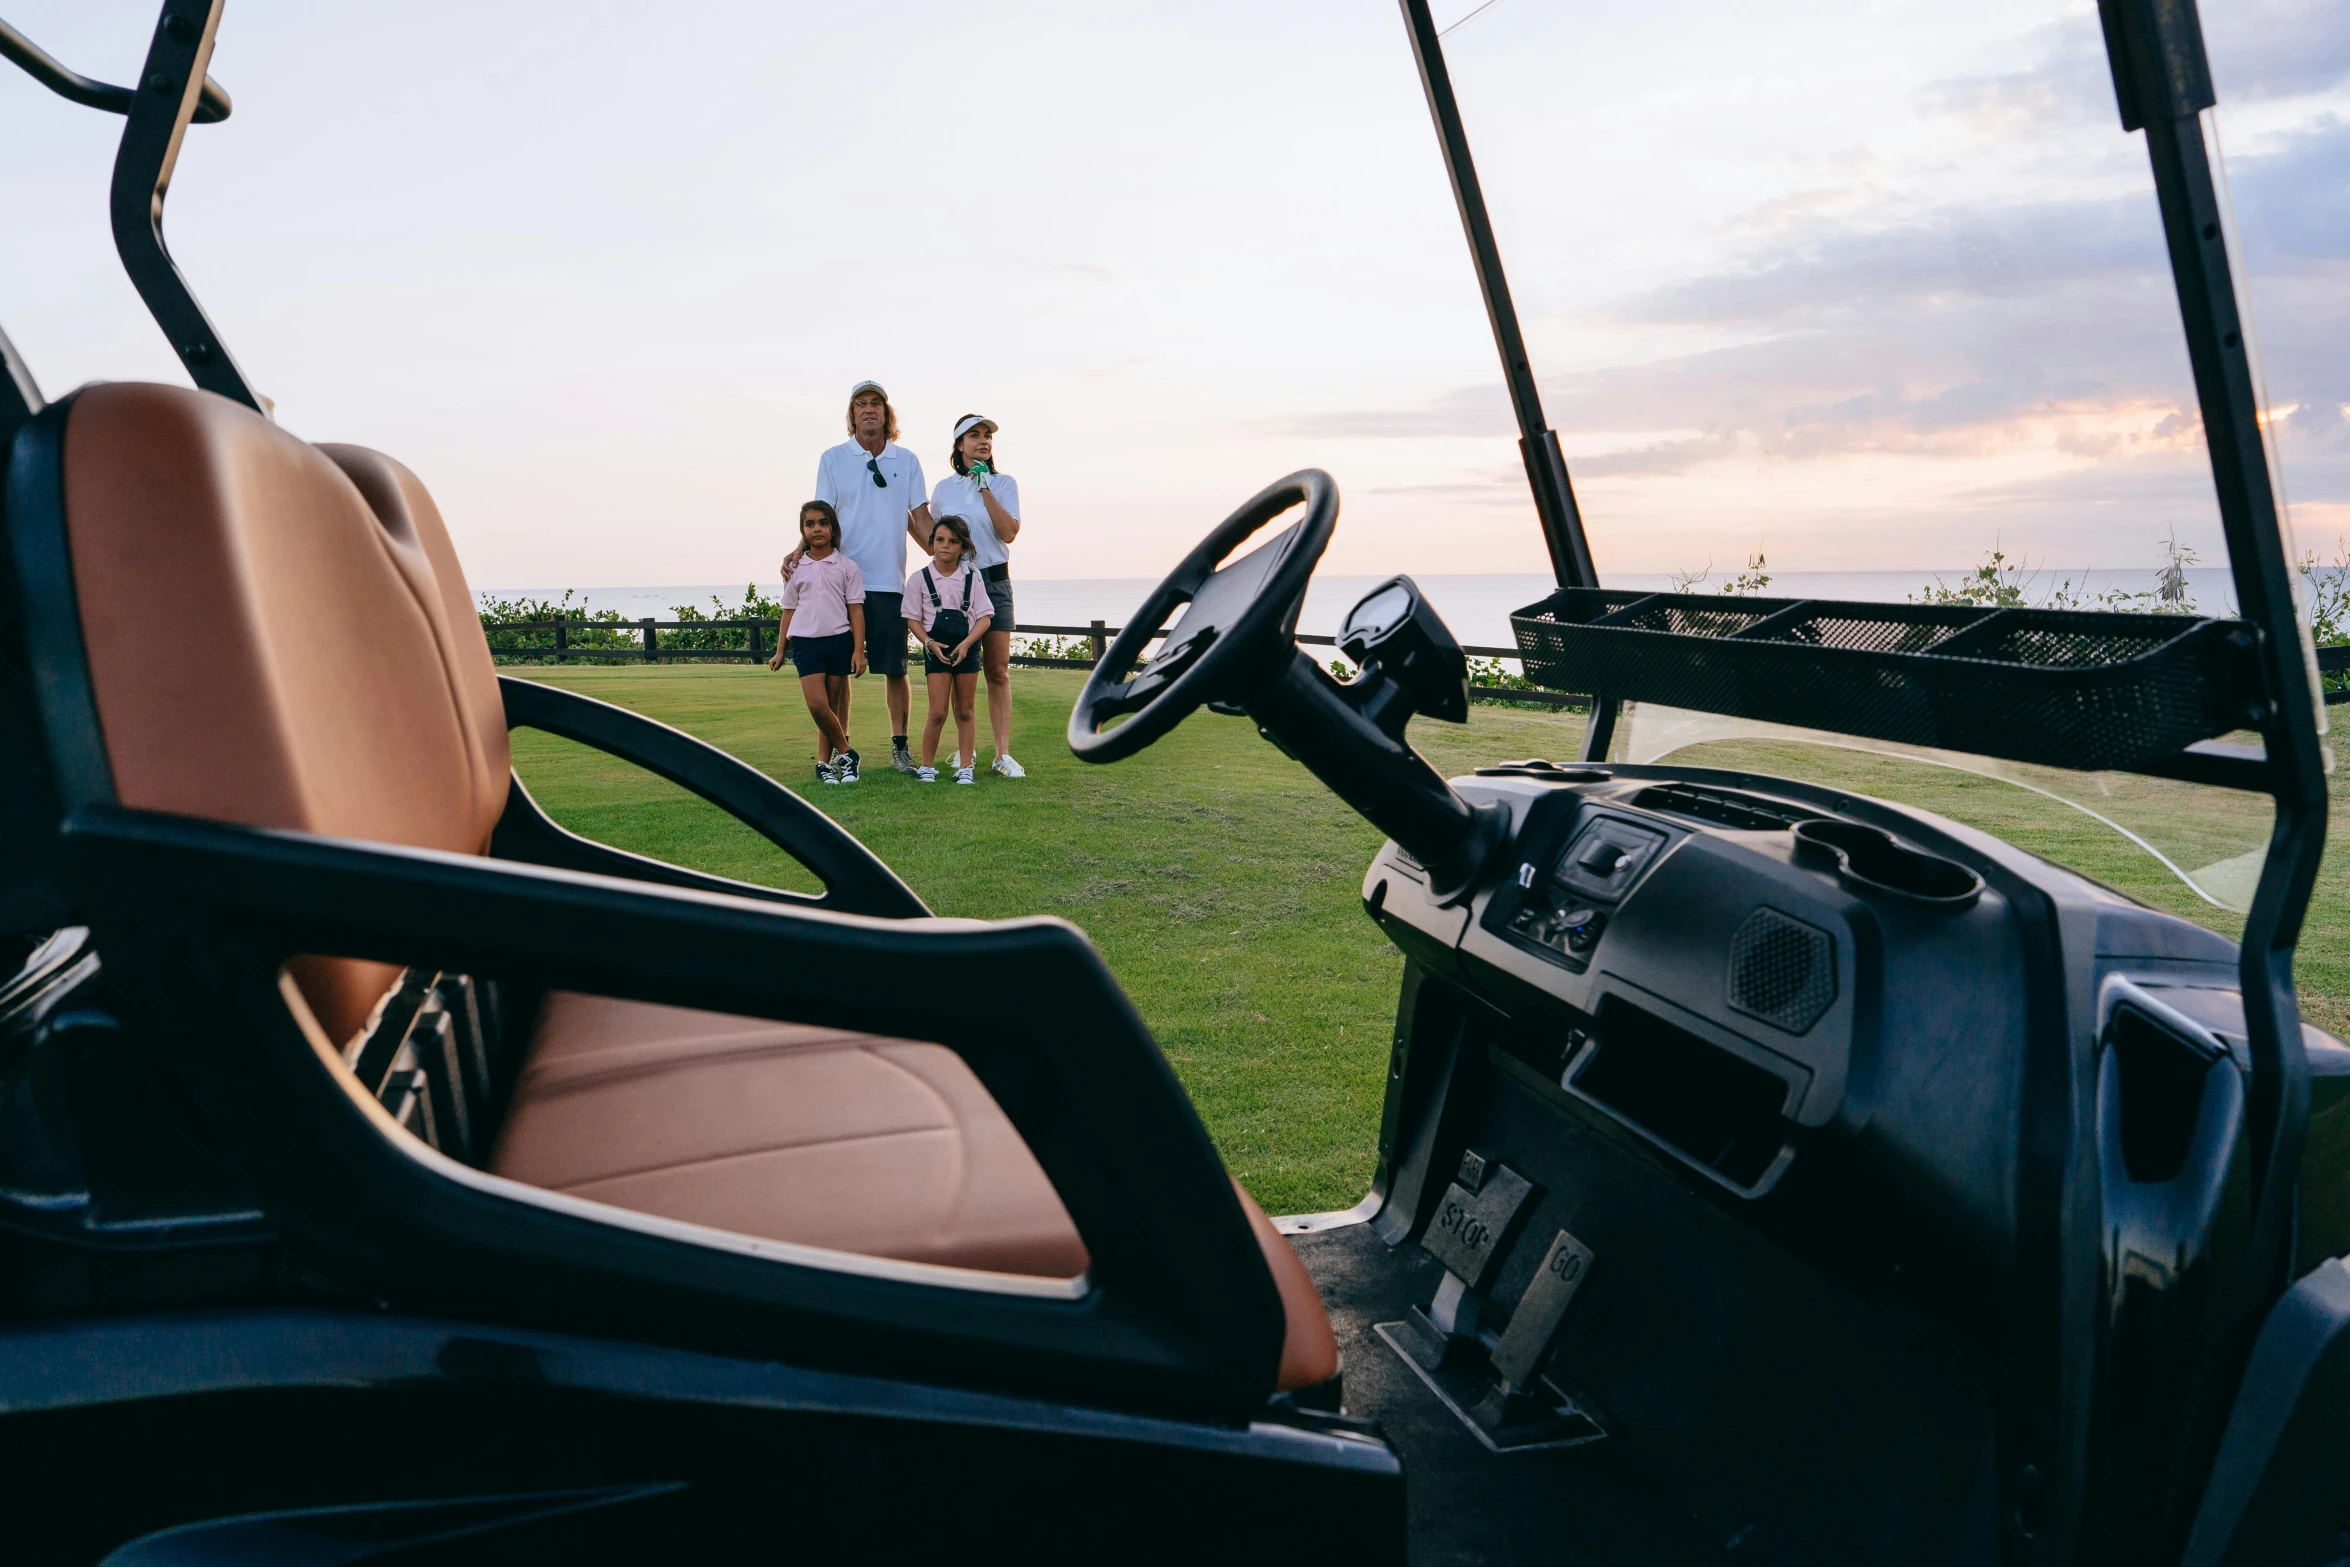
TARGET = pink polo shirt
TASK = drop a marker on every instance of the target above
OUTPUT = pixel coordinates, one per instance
(820, 592)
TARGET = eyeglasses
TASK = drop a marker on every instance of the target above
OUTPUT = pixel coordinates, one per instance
(873, 467)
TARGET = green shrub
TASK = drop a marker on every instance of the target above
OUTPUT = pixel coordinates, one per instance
(2000, 583)
(502, 621)
(519, 632)
(1746, 584)
(755, 606)
(1080, 648)
(2325, 593)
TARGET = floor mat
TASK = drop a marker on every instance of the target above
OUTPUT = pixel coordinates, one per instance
(1469, 1505)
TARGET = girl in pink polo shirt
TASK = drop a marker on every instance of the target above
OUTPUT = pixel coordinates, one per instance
(824, 627)
(947, 605)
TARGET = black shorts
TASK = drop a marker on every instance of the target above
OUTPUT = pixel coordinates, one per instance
(999, 593)
(934, 665)
(823, 655)
(885, 633)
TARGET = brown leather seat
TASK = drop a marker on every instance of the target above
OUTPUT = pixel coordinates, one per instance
(325, 672)
(887, 1147)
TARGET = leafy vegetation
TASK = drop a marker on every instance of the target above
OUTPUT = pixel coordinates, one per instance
(1080, 648)
(2325, 594)
(1998, 582)
(520, 633)
(515, 640)
(1746, 584)
(694, 637)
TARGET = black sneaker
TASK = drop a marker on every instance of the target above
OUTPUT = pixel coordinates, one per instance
(899, 756)
(845, 767)
(825, 773)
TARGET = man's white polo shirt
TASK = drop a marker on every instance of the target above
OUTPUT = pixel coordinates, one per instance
(872, 517)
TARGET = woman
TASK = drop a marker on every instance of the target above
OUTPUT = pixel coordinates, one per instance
(947, 607)
(990, 502)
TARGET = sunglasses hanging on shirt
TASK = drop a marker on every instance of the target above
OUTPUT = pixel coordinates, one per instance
(873, 467)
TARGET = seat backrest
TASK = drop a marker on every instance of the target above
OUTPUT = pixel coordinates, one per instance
(279, 635)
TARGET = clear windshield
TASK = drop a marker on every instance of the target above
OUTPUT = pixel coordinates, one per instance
(1898, 325)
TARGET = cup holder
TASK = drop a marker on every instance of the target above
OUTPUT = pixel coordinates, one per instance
(1873, 860)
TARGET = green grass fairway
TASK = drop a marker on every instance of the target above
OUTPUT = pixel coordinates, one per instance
(1218, 877)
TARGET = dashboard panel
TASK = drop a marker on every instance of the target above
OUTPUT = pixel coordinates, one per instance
(1748, 976)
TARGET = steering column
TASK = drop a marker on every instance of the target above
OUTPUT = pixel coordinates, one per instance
(1235, 649)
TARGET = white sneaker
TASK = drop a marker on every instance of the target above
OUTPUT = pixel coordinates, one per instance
(962, 775)
(1009, 768)
(926, 775)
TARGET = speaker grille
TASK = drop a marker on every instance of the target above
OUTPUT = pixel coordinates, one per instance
(1782, 970)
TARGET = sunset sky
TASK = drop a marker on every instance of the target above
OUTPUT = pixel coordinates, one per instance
(1864, 285)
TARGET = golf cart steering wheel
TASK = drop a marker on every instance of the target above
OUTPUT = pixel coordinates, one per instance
(1234, 636)
(1235, 647)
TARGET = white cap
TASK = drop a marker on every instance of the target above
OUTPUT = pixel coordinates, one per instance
(867, 386)
(969, 423)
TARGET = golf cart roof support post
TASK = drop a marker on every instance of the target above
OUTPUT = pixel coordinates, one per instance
(1538, 444)
(169, 89)
(2162, 81)
(20, 394)
(73, 86)
(1546, 466)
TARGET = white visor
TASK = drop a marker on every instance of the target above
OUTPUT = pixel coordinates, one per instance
(973, 423)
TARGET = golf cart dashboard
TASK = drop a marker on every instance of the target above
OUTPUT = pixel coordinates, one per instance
(1732, 970)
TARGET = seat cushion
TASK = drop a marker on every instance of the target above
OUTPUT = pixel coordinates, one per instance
(856, 1142)
(884, 1147)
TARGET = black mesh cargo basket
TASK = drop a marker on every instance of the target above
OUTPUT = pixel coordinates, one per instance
(2069, 688)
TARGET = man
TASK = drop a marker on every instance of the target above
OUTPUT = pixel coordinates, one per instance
(876, 487)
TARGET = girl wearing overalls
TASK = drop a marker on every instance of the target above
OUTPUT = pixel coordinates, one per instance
(947, 605)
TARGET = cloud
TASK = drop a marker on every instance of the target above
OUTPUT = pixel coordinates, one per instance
(1660, 457)
(1837, 270)
(2067, 82)
(2293, 200)
(1465, 411)
(2267, 49)
(1509, 485)
(2264, 49)
(1979, 329)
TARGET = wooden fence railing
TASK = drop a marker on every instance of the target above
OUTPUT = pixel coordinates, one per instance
(641, 641)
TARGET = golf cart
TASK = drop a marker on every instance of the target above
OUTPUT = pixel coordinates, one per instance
(1765, 1170)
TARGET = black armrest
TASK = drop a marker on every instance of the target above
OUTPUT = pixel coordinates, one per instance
(2277, 1491)
(197, 919)
(855, 880)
